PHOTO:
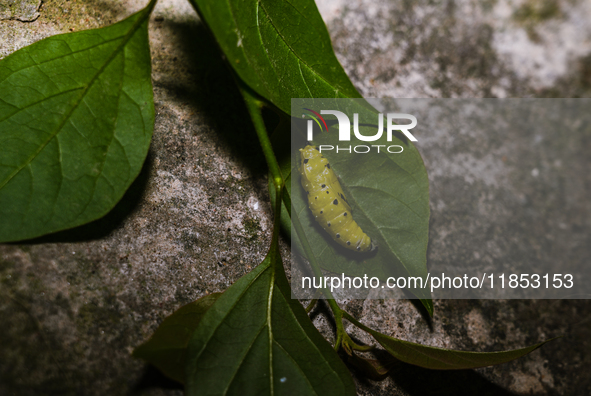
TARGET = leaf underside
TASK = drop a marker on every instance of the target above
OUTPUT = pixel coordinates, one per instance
(447, 359)
(76, 119)
(167, 348)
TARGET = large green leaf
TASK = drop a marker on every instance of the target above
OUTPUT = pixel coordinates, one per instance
(281, 49)
(167, 348)
(257, 340)
(76, 119)
(389, 196)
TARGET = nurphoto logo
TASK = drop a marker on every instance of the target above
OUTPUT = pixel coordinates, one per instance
(345, 130)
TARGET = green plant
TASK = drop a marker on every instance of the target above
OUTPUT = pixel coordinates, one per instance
(76, 118)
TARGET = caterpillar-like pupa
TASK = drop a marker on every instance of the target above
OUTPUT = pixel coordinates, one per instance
(328, 203)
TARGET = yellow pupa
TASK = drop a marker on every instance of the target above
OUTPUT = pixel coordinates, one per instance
(328, 203)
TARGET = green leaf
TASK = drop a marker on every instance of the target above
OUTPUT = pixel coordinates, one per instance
(389, 197)
(440, 358)
(76, 119)
(281, 49)
(257, 340)
(447, 359)
(167, 348)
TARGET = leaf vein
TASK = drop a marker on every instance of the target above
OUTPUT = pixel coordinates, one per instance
(137, 24)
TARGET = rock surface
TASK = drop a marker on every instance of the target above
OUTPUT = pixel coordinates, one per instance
(22, 10)
(75, 303)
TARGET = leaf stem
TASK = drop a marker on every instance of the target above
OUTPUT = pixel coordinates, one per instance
(357, 323)
(150, 7)
(311, 305)
(254, 106)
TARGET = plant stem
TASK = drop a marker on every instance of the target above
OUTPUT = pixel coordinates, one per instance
(357, 323)
(311, 305)
(287, 202)
(150, 7)
(279, 189)
(254, 106)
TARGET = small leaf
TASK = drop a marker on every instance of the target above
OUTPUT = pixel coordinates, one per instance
(446, 359)
(257, 340)
(167, 348)
(76, 119)
(370, 368)
(281, 49)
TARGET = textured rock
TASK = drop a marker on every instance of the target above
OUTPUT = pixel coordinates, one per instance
(22, 10)
(198, 217)
(484, 49)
